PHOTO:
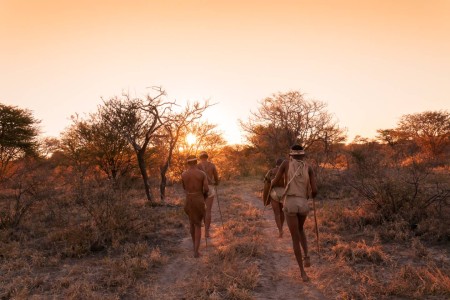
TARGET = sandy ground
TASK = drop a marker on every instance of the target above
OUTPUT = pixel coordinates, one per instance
(280, 275)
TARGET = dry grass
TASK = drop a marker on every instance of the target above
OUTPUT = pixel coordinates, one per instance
(374, 258)
(60, 251)
(359, 252)
(415, 282)
(70, 256)
(231, 270)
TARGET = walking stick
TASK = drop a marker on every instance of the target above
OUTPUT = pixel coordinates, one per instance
(317, 227)
(218, 204)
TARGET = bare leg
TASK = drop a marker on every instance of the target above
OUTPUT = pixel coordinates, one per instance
(293, 224)
(209, 203)
(278, 219)
(197, 238)
(192, 231)
(281, 214)
(303, 241)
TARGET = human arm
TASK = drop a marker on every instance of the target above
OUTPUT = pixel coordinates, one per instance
(182, 181)
(216, 176)
(281, 172)
(205, 186)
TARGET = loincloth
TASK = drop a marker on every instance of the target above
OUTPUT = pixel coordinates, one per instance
(277, 193)
(211, 190)
(194, 207)
(296, 205)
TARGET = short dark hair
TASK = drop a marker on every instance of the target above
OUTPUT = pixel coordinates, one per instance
(296, 147)
(279, 161)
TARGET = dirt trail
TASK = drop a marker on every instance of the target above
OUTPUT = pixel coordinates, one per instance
(170, 285)
(280, 275)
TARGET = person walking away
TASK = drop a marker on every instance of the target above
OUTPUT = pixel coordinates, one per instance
(301, 182)
(213, 180)
(195, 184)
(276, 194)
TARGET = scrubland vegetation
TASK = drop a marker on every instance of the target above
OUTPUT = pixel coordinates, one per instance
(98, 212)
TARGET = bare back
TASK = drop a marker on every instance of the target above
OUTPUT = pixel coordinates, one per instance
(194, 181)
(210, 169)
(283, 173)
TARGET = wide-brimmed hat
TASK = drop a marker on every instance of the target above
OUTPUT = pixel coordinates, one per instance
(191, 158)
(203, 154)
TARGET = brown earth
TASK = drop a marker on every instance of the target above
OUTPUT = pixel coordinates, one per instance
(279, 273)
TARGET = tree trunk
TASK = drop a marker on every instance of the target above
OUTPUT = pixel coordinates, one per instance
(143, 169)
(164, 168)
(162, 186)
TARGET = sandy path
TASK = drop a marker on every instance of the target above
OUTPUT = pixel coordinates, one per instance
(280, 275)
(182, 264)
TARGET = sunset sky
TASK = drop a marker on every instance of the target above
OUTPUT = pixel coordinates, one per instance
(372, 61)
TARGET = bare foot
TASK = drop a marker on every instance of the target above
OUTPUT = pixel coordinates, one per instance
(280, 235)
(197, 255)
(305, 277)
(306, 262)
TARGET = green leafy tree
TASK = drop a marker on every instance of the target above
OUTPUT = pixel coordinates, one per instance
(18, 135)
(101, 145)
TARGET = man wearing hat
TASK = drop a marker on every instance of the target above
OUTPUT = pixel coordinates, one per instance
(300, 184)
(195, 184)
(213, 179)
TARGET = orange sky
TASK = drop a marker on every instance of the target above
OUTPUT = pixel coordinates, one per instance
(371, 61)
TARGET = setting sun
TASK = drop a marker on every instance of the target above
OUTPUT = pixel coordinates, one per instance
(191, 139)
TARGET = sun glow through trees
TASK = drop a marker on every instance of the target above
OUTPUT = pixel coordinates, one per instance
(191, 139)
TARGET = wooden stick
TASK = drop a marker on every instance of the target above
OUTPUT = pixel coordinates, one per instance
(317, 227)
(218, 204)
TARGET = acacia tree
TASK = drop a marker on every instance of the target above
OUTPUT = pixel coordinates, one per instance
(428, 132)
(288, 118)
(239, 160)
(18, 134)
(101, 145)
(207, 138)
(138, 121)
(49, 146)
(174, 125)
